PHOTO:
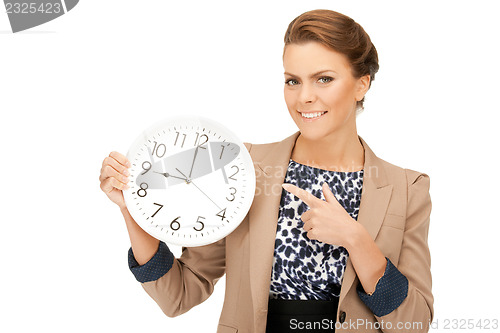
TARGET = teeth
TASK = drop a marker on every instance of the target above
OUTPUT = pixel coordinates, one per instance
(312, 115)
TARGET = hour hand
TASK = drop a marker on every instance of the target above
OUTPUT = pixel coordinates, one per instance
(166, 174)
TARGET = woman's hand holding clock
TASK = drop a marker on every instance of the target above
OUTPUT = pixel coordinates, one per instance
(114, 177)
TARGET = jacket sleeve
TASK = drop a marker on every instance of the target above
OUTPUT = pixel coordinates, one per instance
(416, 308)
(391, 290)
(155, 268)
(190, 280)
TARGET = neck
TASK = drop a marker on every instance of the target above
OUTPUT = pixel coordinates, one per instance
(334, 152)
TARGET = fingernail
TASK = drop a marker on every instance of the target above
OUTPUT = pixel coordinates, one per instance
(127, 164)
(126, 187)
(285, 186)
(126, 172)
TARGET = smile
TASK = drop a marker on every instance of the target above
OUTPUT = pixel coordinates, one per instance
(311, 116)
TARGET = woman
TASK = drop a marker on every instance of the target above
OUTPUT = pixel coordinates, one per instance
(341, 246)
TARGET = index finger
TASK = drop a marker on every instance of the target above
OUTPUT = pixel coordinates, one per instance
(305, 196)
(120, 158)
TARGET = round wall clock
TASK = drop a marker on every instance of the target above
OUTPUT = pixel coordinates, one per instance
(192, 181)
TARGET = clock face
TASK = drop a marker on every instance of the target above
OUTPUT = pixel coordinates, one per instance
(192, 181)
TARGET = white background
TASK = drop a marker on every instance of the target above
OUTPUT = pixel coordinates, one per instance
(76, 88)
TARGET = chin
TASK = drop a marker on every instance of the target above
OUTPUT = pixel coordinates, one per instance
(314, 134)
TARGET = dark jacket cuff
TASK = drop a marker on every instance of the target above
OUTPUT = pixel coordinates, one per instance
(155, 268)
(390, 292)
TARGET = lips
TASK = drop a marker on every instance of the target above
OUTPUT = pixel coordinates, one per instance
(311, 115)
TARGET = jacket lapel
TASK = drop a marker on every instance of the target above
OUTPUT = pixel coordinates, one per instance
(263, 220)
(375, 197)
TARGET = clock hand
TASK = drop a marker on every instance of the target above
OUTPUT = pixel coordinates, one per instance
(190, 181)
(205, 194)
(166, 174)
(185, 178)
(195, 153)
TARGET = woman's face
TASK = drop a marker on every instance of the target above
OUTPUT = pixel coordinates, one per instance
(320, 91)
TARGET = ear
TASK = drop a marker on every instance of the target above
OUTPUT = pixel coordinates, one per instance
(363, 84)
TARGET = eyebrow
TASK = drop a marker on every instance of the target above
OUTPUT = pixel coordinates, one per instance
(315, 74)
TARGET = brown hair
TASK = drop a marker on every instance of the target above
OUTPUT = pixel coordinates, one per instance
(340, 33)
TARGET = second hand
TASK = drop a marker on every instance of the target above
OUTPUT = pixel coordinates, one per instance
(190, 181)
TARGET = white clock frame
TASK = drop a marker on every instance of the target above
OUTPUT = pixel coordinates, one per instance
(190, 201)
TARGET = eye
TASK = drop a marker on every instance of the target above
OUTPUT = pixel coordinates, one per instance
(325, 79)
(291, 82)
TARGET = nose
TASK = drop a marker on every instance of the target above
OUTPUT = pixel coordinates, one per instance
(307, 94)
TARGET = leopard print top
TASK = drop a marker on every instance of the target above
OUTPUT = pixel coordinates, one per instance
(303, 268)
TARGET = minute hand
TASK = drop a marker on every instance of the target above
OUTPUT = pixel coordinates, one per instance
(192, 164)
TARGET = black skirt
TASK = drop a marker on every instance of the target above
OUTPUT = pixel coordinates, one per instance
(301, 315)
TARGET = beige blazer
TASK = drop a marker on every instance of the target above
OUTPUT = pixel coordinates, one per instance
(395, 209)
